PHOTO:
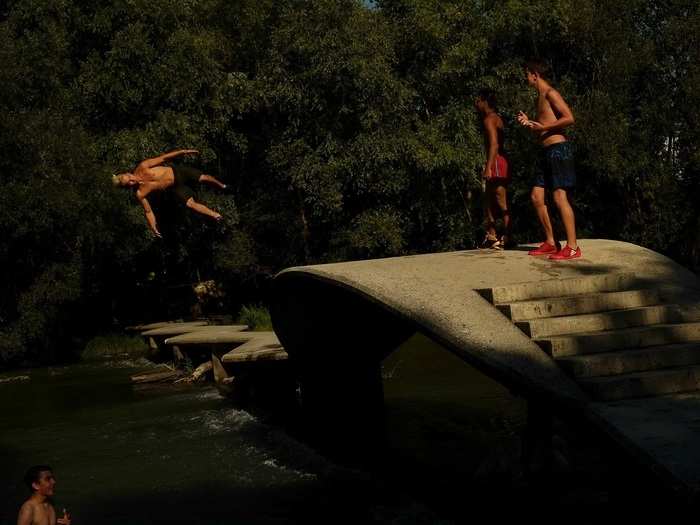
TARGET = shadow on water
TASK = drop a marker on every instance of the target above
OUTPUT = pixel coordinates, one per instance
(452, 440)
(449, 450)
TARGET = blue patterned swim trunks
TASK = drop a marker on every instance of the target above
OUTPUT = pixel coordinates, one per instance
(557, 167)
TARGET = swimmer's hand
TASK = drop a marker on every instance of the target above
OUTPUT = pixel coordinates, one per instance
(65, 520)
(157, 234)
(217, 217)
(487, 173)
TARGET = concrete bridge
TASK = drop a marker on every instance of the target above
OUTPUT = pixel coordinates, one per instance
(611, 341)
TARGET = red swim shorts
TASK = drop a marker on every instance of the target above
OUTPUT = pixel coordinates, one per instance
(500, 172)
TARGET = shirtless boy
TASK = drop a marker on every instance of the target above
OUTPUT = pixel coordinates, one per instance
(38, 510)
(496, 173)
(558, 174)
(150, 176)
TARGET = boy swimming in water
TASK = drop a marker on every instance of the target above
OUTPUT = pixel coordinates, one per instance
(38, 509)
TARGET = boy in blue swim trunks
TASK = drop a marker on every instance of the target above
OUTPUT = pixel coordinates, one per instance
(557, 173)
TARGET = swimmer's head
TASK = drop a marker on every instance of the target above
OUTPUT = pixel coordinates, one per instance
(124, 180)
(39, 479)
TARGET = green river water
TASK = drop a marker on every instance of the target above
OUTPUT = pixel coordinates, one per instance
(170, 454)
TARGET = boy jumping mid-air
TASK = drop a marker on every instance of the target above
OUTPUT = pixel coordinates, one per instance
(150, 176)
(558, 174)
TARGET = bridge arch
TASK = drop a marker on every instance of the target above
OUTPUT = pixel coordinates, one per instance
(339, 321)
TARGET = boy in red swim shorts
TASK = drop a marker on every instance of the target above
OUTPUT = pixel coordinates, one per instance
(496, 173)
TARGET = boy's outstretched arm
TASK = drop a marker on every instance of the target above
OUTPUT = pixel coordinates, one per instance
(156, 161)
(150, 216)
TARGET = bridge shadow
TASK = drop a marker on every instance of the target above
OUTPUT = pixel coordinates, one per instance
(449, 435)
(453, 431)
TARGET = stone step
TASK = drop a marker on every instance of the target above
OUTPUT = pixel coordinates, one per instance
(579, 304)
(643, 384)
(617, 319)
(630, 361)
(640, 337)
(609, 282)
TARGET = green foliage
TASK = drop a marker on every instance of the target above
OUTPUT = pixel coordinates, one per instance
(256, 317)
(344, 131)
(112, 345)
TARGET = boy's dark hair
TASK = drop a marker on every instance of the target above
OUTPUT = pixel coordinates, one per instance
(33, 474)
(488, 95)
(535, 65)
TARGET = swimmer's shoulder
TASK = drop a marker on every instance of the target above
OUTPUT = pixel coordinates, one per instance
(27, 513)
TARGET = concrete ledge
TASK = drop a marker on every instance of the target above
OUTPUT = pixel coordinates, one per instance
(579, 304)
(560, 288)
(639, 337)
(644, 384)
(613, 320)
(174, 329)
(628, 361)
(264, 346)
(216, 334)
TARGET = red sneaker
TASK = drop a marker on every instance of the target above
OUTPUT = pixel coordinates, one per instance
(545, 249)
(566, 253)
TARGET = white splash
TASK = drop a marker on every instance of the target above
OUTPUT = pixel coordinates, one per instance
(272, 463)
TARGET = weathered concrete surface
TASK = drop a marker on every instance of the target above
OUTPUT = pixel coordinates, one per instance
(636, 360)
(436, 293)
(317, 310)
(665, 431)
(215, 334)
(579, 304)
(175, 329)
(638, 337)
(265, 346)
(644, 384)
(594, 322)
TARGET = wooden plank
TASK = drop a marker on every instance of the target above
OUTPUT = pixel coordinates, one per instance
(155, 377)
(198, 373)
(13, 379)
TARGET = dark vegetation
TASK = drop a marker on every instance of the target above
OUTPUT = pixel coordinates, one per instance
(346, 131)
